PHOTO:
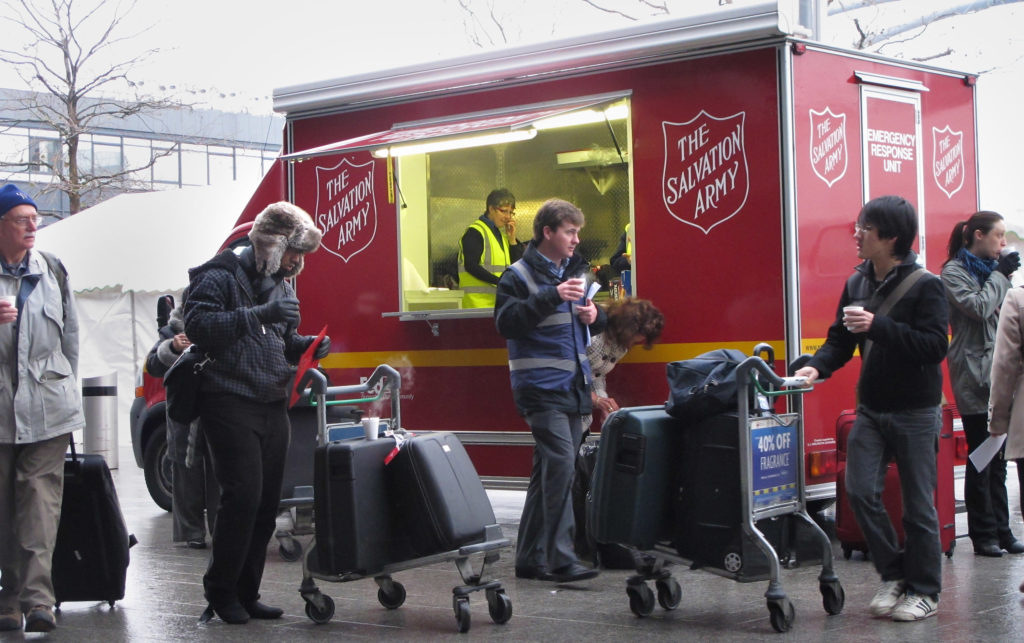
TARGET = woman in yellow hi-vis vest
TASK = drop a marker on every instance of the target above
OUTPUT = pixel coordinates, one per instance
(487, 247)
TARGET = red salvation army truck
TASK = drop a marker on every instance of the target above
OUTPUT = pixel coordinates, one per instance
(737, 152)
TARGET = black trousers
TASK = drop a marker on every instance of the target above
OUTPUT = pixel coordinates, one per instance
(988, 514)
(248, 442)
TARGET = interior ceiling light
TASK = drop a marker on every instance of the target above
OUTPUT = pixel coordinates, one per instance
(459, 143)
(618, 111)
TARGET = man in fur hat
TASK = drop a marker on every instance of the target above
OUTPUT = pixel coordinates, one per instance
(240, 310)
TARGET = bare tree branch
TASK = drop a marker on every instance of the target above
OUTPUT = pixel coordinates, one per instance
(64, 40)
(607, 10)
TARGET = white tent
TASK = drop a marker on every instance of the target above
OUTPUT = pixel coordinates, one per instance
(126, 252)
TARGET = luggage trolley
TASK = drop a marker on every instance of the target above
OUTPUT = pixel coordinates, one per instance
(772, 486)
(391, 593)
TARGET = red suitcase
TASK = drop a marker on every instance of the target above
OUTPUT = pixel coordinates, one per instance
(847, 530)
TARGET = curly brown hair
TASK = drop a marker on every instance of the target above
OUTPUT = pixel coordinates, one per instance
(628, 317)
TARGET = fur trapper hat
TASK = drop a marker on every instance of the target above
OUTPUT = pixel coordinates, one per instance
(279, 227)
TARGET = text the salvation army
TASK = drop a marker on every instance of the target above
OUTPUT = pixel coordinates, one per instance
(708, 167)
(351, 210)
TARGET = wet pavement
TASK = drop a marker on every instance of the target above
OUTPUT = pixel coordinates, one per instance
(980, 599)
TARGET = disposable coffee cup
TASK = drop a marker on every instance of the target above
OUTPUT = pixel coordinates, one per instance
(851, 309)
(371, 426)
(10, 299)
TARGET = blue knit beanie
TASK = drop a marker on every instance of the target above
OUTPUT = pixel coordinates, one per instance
(11, 196)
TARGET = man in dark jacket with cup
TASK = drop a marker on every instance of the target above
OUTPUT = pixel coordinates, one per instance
(241, 311)
(899, 393)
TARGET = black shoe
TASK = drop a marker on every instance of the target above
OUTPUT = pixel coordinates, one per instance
(257, 609)
(572, 572)
(991, 550)
(197, 543)
(532, 573)
(1013, 546)
(232, 613)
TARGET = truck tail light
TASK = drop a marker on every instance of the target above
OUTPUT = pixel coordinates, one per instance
(961, 446)
(140, 391)
(821, 464)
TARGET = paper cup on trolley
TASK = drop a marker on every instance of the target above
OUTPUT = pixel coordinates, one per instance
(371, 427)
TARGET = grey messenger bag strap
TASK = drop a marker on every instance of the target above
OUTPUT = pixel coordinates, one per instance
(890, 301)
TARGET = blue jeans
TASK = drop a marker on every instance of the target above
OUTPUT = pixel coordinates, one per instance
(913, 438)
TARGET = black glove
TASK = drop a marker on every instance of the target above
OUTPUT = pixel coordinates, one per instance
(1008, 263)
(323, 349)
(279, 310)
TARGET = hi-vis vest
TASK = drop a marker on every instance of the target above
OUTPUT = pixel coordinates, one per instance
(549, 357)
(495, 258)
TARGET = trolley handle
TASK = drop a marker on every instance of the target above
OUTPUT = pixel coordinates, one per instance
(767, 348)
(750, 371)
(318, 392)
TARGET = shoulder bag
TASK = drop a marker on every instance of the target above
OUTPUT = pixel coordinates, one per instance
(182, 381)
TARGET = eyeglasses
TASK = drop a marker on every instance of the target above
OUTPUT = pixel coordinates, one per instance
(22, 222)
(507, 210)
(863, 228)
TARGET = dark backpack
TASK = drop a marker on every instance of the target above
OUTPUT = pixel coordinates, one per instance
(704, 386)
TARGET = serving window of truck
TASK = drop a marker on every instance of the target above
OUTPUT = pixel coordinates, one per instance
(440, 173)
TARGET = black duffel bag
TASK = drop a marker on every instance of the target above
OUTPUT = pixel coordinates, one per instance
(181, 383)
(704, 386)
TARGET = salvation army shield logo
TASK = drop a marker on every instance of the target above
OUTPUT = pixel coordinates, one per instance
(948, 159)
(828, 145)
(705, 181)
(346, 210)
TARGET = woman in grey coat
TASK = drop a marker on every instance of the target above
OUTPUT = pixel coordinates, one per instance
(976, 278)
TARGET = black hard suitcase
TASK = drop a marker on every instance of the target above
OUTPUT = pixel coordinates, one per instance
(709, 509)
(632, 490)
(303, 443)
(90, 561)
(355, 532)
(438, 495)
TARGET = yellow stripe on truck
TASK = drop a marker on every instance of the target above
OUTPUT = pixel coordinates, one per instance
(659, 354)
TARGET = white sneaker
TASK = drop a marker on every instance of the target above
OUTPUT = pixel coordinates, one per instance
(886, 598)
(915, 607)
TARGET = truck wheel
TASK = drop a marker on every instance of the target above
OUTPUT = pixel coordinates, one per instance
(157, 467)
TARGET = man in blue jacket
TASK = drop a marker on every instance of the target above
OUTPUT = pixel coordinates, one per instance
(541, 311)
(899, 394)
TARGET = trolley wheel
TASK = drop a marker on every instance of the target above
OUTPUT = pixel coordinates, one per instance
(949, 552)
(290, 549)
(833, 597)
(781, 613)
(392, 599)
(499, 605)
(317, 615)
(641, 599)
(461, 606)
(669, 593)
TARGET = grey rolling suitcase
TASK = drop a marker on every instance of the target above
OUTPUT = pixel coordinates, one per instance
(632, 490)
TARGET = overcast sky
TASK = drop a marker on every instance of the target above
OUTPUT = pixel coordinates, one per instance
(249, 47)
